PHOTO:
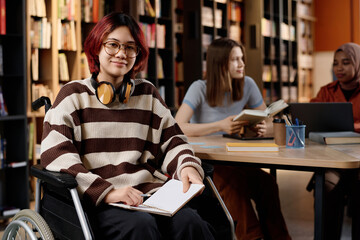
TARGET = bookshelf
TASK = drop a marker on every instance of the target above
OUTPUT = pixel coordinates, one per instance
(271, 48)
(204, 21)
(179, 52)
(305, 38)
(13, 124)
(53, 57)
(156, 19)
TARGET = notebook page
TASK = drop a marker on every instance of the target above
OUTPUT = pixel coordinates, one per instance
(170, 196)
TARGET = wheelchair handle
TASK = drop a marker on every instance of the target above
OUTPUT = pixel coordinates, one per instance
(38, 103)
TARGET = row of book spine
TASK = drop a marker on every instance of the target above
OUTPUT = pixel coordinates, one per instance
(145, 8)
(92, 10)
(269, 29)
(154, 34)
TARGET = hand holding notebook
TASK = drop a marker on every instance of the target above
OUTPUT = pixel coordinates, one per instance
(169, 199)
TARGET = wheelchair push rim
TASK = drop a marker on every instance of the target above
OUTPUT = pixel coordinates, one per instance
(27, 224)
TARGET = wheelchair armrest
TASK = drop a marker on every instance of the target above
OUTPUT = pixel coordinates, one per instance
(208, 169)
(57, 179)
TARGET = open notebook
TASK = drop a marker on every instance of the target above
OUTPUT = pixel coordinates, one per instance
(167, 200)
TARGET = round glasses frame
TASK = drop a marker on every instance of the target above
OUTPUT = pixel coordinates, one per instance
(121, 46)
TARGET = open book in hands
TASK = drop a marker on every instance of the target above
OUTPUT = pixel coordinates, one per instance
(254, 116)
(167, 200)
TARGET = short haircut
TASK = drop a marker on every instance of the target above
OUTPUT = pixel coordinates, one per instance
(217, 72)
(103, 28)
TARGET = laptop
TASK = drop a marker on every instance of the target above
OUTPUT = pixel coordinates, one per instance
(323, 117)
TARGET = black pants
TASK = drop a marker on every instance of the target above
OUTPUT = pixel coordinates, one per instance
(117, 223)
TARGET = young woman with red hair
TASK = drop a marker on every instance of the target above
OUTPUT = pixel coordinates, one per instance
(105, 130)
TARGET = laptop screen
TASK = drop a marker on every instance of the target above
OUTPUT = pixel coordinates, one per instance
(323, 117)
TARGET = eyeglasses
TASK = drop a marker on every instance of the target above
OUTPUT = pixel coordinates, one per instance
(112, 48)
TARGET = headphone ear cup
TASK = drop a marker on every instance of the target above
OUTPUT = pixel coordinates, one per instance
(125, 91)
(105, 92)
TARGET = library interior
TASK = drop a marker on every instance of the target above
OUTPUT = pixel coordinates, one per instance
(289, 49)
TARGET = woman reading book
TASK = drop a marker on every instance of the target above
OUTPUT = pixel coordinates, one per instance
(105, 129)
(339, 184)
(209, 107)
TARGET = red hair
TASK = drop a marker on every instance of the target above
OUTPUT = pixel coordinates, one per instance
(103, 28)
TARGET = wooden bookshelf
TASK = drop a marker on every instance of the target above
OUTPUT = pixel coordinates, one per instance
(56, 39)
(13, 125)
(305, 38)
(204, 21)
(271, 48)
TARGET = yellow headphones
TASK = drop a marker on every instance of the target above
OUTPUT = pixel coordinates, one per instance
(105, 92)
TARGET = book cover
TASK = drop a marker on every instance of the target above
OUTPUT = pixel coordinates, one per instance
(251, 147)
(167, 200)
(254, 116)
(2, 17)
(342, 137)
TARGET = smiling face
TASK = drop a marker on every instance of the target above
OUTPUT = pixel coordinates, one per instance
(344, 70)
(113, 68)
(236, 63)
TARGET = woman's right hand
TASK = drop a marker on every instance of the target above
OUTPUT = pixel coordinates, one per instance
(231, 127)
(127, 195)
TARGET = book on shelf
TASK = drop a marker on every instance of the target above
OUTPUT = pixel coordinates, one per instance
(251, 147)
(67, 9)
(254, 116)
(160, 35)
(63, 68)
(235, 32)
(342, 137)
(3, 17)
(3, 107)
(16, 164)
(160, 67)
(35, 64)
(207, 18)
(2, 152)
(37, 8)
(84, 66)
(95, 11)
(162, 91)
(31, 140)
(166, 201)
(149, 10)
(1, 61)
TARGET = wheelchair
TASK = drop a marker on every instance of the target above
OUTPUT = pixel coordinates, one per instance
(60, 214)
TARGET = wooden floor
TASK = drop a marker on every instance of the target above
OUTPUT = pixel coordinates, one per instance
(297, 205)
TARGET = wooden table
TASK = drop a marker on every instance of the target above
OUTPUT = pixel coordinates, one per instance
(314, 157)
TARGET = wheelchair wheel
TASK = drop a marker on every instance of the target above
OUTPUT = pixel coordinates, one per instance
(27, 224)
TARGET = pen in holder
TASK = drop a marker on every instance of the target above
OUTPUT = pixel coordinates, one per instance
(295, 136)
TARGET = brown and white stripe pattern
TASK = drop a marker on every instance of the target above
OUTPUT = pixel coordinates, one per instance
(107, 147)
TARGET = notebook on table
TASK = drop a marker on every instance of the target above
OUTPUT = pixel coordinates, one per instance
(323, 117)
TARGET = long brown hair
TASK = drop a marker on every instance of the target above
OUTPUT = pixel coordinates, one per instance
(217, 72)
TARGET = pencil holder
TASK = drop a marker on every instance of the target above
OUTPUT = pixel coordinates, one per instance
(295, 136)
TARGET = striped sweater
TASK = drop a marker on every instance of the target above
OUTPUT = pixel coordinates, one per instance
(114, 146)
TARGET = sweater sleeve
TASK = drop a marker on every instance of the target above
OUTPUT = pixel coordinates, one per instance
(60, 151)
(177, 151)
